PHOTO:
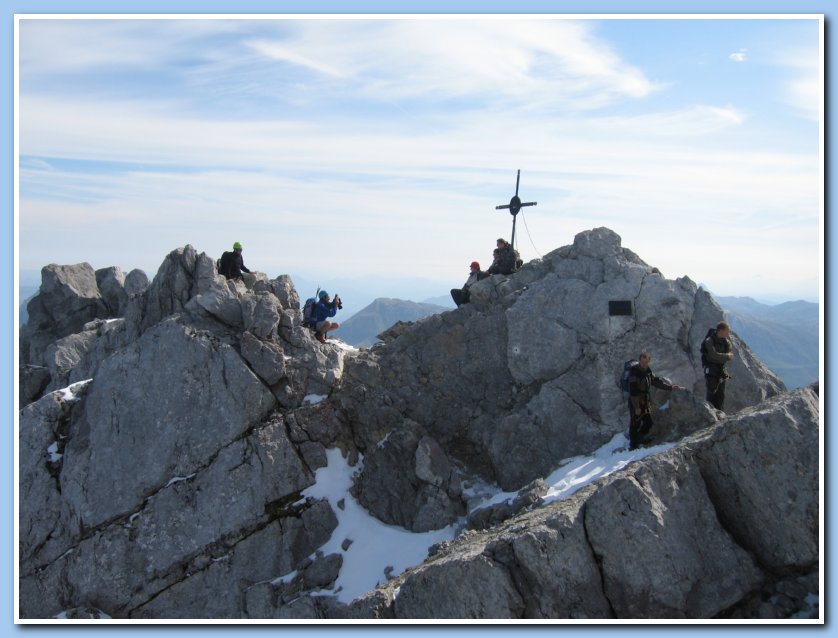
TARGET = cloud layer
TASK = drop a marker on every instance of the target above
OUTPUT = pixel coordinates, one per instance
(395, 139)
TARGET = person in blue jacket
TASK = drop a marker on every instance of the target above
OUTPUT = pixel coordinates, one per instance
(323, 310)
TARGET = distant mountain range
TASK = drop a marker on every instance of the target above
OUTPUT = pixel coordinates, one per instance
(362, 328)
(785, 336)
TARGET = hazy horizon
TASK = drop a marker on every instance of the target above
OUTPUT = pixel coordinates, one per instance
(418, 289)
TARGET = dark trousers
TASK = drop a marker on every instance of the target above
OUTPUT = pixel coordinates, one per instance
(460, 296)
(639, 426)
(715, 391)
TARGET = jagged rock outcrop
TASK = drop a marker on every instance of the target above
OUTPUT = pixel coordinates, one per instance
(684, 534)
(525, 375)
(81, 317)
(169, 429)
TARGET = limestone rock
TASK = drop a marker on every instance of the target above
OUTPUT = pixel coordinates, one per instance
(222, 301)
(183, 274)
(261, 314)
(136, 283)
(762, 471)
(265, 358)
(524, 375)
(661, 548)
(204, 397)
(527, 497)
(32, 380)
(67, 299)
(407, 480)
(174, 425)
(691, 532)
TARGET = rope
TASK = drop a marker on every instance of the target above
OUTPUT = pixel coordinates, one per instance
(530, 236)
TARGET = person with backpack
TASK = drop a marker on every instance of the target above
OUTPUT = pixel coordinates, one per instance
(462, 295)
(641, 379)
(320, 314)
(231, 265)
(716, 351)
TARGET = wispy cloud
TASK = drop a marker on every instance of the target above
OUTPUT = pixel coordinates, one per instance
(739, 56)
(804, 89)
(286, 53)
(386, 137)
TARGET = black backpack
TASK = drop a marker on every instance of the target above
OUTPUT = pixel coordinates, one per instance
(703, 348)
(624, 377)
(225, 263)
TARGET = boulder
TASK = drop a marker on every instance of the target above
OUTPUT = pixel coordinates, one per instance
(407, 480)
(111, 284)
(67, 299)
(266, 359)
(183, 274)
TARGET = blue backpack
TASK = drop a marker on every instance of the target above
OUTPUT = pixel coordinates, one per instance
(308, 309)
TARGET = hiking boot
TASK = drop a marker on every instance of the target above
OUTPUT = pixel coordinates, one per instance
(320, 337)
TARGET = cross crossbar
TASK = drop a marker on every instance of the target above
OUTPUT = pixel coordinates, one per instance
(515, 205)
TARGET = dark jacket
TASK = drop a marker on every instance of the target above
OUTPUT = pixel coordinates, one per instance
(714, 355)
(506, 263)
(640, 386)
(237, 266)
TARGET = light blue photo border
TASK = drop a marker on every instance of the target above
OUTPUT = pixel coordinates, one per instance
(10, 312)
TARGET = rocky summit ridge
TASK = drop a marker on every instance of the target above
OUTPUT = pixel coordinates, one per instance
(169, 431)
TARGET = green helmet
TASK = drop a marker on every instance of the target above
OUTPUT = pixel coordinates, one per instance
(237, 246)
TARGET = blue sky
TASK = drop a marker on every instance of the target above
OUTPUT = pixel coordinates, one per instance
(706, 163)
(347, 147)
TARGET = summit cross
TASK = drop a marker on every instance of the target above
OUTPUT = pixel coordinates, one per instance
(515, 205)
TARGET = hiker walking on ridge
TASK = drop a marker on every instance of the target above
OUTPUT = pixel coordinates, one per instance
(640, 381)
(716, 351)
(320, 314)
(462, 295)
(231, 265)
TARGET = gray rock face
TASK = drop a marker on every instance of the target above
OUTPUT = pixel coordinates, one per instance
(166, 441)
(655, 540)
(408, 481)
(526, 374)
(164, 470)
(68, 299)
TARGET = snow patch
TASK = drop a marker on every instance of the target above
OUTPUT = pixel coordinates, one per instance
(378, 552)
(313, 399)
(287, 578)
(375, 546)
(68, 394)
(52, 453)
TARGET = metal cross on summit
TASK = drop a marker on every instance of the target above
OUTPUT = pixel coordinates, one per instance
(515, 206)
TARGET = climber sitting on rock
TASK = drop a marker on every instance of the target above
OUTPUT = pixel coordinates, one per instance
(506, 260)
(322, 311)
(231, 265)
(462, 295)
(641, 380)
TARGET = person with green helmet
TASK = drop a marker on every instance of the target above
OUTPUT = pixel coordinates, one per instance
(231, 265)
